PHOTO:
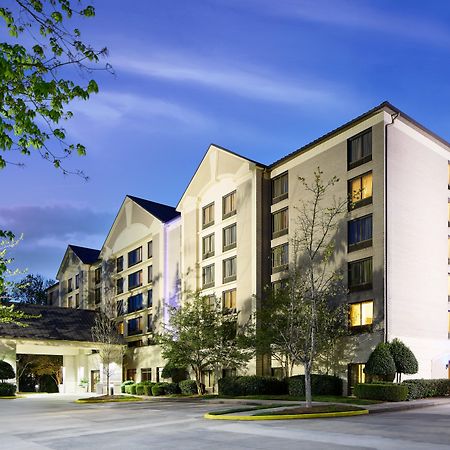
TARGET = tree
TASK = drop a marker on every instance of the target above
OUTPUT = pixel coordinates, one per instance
(111, 346)
(381, 363)
(6, 371)
(404, 359)
(203, 336)
(31, 290)
(35, 89)
(9, 314)
(48, 365)
(303, 313)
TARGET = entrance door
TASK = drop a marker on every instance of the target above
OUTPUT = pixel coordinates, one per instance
(355, 375)
(95, 378)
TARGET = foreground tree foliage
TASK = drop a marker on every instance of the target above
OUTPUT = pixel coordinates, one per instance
(303, 313)
(381, 363)
(6, 371)
(404, 359)
(36, 87)
(203, 336)
(31, 290)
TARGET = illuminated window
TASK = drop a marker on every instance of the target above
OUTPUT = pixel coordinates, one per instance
(359, 149)
(449, 285)
(360, 274)
(135, 279)
(229, 205)
(208, 276)
(208, 215)
(280, 223)
(149, 249)
(360, 190)
(135, 256)
(229, 269)
(280, 257)
(361, 313)
(119, 264)
(356, 375)
(360, 233)
(280, 187)
(120, 328)
(208, 246)
(229, 299)
(229, 237)
(448, 249)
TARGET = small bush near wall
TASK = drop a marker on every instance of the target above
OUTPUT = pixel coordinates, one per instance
(252, 385)
(171, 388)
(320, 385)
(158, 389)
(147, 385)
(188, 387)
(139, 389)
(124, 385)
(7, 389)
(427, 388)
(389, 392)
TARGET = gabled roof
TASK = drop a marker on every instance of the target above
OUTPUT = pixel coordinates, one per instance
(55, 323)
(164, 213)
(86, 255)
(386, 106)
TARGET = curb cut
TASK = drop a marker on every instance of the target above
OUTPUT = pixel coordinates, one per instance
(286, 416)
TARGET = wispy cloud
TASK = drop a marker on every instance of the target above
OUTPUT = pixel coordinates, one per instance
(251, 82)
(357, 15)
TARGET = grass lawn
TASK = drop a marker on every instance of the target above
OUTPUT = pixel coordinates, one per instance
(110, 398)
(244, 409)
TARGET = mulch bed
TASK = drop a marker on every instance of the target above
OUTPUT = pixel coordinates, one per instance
(313, 410)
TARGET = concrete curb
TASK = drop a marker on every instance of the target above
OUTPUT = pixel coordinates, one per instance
(286, 416)
(404, 407)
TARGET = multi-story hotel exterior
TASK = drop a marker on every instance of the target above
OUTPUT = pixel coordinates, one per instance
(230, 234)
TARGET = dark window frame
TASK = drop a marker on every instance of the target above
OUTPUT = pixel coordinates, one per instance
(276, 234)
(211, 222)
(364, 243)
(225, 248)
(364, 159)
(283, 195)
(232, 212)
(230, 278)
(362, 286)
(130, 258)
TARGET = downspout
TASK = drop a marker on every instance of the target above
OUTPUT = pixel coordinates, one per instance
(393, 117)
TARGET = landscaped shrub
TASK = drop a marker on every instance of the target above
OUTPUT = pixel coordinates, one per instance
(139, 389)
(427, 388)
(320, 385)
(6, 371)
(252, 385)
(171, 389)
(130, 389)
(389, 392)
(404, 359)
(177, 374)
(7, 389)
(124, 384)
(158, 389)
(188, 387)
(381, 363)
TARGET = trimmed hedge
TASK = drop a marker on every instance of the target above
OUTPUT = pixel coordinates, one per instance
(6, 371)
(252, 385)
(7, 389)
(421, 388)
(148, 387)
(171, 388)
(139, 389)
(124, 385)
(389, 392)
(158, 389)
(188, 387)
(320, 385)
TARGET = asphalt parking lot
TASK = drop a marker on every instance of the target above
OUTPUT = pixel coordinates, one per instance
(55, 422)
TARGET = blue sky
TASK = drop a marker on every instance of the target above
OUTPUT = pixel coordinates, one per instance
(260, 77)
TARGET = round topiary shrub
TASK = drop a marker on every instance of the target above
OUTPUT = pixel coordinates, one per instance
(404, 359)
(7, 390)
(139, 389)
(188, 387)
(6, 371)
(124, 384)
(171, 389)
(381, 363)
(158, 389)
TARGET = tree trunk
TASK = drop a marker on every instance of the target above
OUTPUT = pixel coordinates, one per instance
(308, 395)
(107, 382)
(198, 381)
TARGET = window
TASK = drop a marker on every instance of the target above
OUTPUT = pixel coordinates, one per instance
(360, 233)
(69, 302)
(361, 314)
(150, 298)
(229, 299)
(208, 215)
(278, 287)
(208, 379)
(119, 308)
(77, 300)
(150, 249)
(135, 303)
(131, 374)
(280, 258)
(208, 276)
(120, 328)
(229, 237)
(359, 149)
(229, 205)
(210, 300)
(119, 264)
(159, 374)
(150, 274)
(135, 256)
(448, 214)
(448, 287)
(360, 275)
(134, 344)
(280, 187)
(360, 191)
(280, 223)
(208, 246)
(135, 326)
(149, 323)
(97, 295)
(146, 374)
(448, 248)
(356, 375)
(77, 281)
(134, 279)
(98, 275)
(119, 286)
(229, 269)
(69, 285)
(228, 373)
